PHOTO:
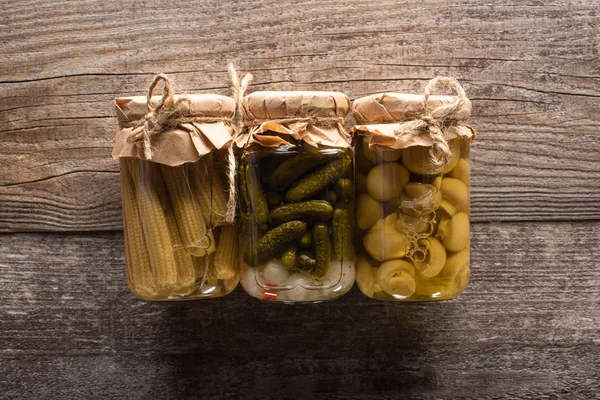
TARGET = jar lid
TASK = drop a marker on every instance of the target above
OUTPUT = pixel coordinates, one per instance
(272, 105)
(134, 108)
(208, 128)
(382, 108)
(316, 118)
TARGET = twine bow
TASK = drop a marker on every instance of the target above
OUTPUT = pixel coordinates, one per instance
(433, 121)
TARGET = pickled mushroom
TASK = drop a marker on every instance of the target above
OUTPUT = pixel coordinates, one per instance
(461, 171)
(397, 278)
(384, 242)
(434, 261)
(417, 159)
(368, 211)
(456, 192)
(387, 180)
(420, 198)
(455, 232)
(365, 276)
(412, 224)
(455, 263)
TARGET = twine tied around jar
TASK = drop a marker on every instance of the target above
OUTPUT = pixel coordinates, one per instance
(323, 122)
(433, 121)
(238, 87)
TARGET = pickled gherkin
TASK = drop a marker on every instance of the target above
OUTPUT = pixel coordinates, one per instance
(305, 261)
(275, 241)
(344, 189)
(313, 209)
(258, 202)
(317, 181)
(306, 240)
(322, 247)
(343, 227)
(293, 168)
(288, 258)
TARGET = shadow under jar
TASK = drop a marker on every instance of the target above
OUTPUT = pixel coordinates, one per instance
(297, 197)
(178, 245)
(412, 210)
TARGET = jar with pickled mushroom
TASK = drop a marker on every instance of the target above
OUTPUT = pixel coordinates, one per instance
(180, 240)
(412, 188)
(296, 197)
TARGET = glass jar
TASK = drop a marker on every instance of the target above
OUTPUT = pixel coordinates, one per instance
(178, 244)
(412, 209)
(297, 200)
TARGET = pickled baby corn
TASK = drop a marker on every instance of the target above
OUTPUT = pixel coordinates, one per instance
(225, 265)
(188, 215)
(139, 271)
(185, 267)
(150, 190)
(209, 190)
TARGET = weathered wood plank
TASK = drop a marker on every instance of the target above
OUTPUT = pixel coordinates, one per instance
(532, 70)
(527, 327)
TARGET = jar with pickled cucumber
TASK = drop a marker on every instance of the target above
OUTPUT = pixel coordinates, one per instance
(179, 244)
(412, 204)
(297, 197)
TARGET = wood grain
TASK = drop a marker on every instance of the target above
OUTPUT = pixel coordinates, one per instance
(531, 68)
(527, 327)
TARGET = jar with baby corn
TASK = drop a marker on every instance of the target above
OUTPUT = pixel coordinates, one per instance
(180, 240)
(296, 196)
(412, 204)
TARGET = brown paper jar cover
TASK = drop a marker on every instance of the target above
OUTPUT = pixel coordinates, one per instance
(317, 118)
(380, 115)
(185, 143)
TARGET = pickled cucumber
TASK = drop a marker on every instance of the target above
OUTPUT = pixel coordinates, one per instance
(305, 261)
(274, 199)
(344, 188)
(293, 168)
(288, 258)
(305, 241)
(322, 246)
(318, 180)
(275, 241)
(330, 196)
(313, 209)
(343, 224)
(258, 201)
(243, 189)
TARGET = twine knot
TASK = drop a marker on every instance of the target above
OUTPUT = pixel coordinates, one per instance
(433, 121)
(157, 118)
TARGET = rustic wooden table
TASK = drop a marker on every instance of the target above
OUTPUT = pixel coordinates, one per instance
(528, 326)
